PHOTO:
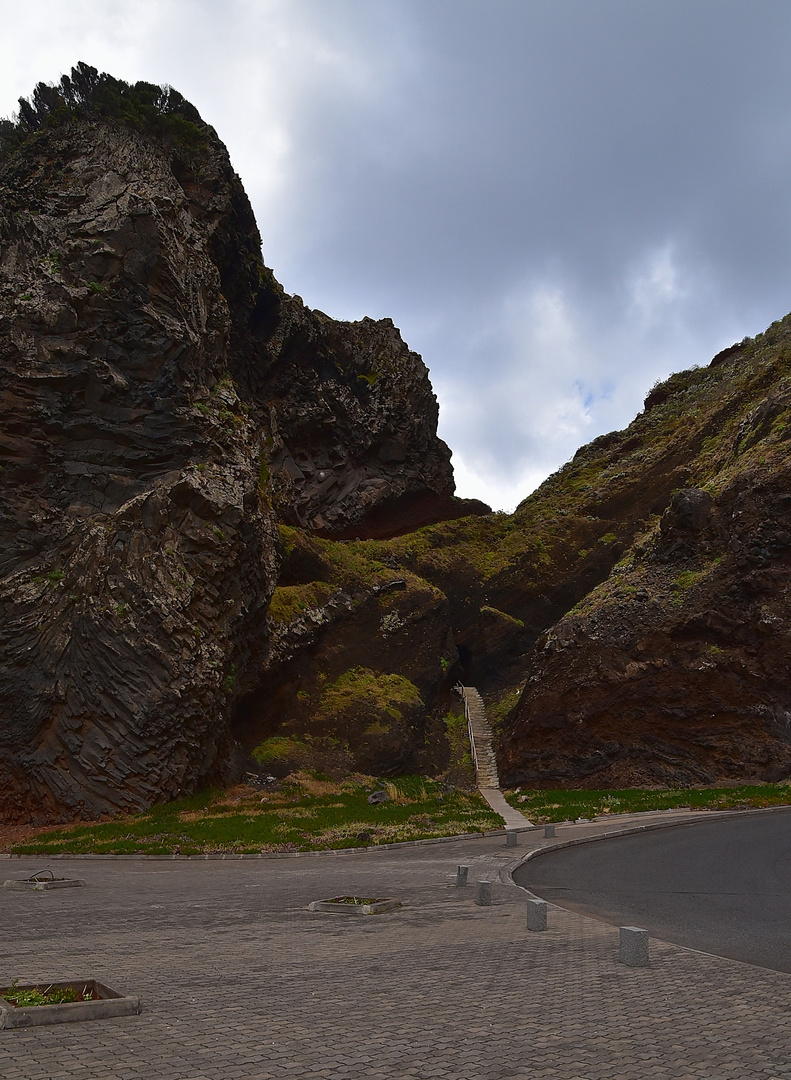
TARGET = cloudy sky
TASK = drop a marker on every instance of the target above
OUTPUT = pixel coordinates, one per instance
(557, 201)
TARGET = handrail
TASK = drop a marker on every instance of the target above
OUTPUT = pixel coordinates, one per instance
(473, 751)
(460, 689)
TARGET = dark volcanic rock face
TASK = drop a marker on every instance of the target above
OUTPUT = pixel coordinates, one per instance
(341, 454)
(137, 553)
(359, 665)
(161, 402)
(674, 673)
(211, 502)
(674, 669)
(631, 622)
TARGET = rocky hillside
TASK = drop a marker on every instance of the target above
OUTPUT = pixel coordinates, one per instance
(628, 625)
(164, 406)
(673, 670)
(228, 537)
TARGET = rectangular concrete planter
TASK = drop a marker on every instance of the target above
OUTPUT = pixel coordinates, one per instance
(109, 1004)
(376, 908)
(41, 886)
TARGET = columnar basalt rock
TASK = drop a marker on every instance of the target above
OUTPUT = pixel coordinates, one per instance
(137, 549)
(163, 404)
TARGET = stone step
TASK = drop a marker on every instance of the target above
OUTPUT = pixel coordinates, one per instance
(482, 735)
(486, 774)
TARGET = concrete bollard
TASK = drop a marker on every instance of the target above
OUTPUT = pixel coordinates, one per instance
(549, 830)
(536, 914)
(634, 946)
(461, 876)
(483, 895)
(510, 838)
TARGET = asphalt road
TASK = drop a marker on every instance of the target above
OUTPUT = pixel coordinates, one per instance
(722, 886)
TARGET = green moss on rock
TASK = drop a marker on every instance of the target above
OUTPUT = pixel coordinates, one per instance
(362, 689)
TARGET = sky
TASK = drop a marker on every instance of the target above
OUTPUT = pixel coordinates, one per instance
(558, 202)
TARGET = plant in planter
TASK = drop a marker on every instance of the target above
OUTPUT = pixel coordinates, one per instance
(356, 900)
(51, 995)
(355, 905)
(62, 1002)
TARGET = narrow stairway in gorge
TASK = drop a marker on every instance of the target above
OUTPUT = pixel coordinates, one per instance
(484, 760)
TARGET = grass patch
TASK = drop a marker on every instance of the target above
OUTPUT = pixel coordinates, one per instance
(488, 610)
(290, 601)
(278, 748)
(372, 691)
(497, 710)
(460, 767)
(307, 813)
(549, 806)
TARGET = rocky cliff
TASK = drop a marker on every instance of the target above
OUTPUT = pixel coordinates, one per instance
(628, 625)
(673, 670)
(228, 539)
(163, 404)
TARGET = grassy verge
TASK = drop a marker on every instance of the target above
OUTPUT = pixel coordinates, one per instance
(548, 806)
(307, 813)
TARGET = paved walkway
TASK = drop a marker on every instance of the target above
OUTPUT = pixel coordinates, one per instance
(239, 980)
(512, 818)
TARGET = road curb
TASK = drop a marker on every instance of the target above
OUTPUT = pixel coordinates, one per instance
(229, 856)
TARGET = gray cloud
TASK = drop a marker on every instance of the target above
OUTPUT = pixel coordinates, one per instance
(556, 202)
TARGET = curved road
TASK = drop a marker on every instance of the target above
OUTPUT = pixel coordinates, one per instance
(722, 886)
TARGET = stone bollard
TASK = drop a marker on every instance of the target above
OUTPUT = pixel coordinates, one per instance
(549, 830)
(536, 914)
(483, 896)
(634, 946)
(461, 876)
(510, 838)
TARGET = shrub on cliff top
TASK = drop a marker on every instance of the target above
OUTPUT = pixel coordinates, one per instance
(159, 110)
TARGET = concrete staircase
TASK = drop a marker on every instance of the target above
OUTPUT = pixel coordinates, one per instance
(482, 748)
(481, 740)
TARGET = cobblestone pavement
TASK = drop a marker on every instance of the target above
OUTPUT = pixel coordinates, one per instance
(239, 980)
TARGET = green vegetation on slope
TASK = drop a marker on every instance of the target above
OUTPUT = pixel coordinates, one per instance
(346, 564)
(309, 812)
(460, 768)
(290, 601)
(563, 805)
(370, 691)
